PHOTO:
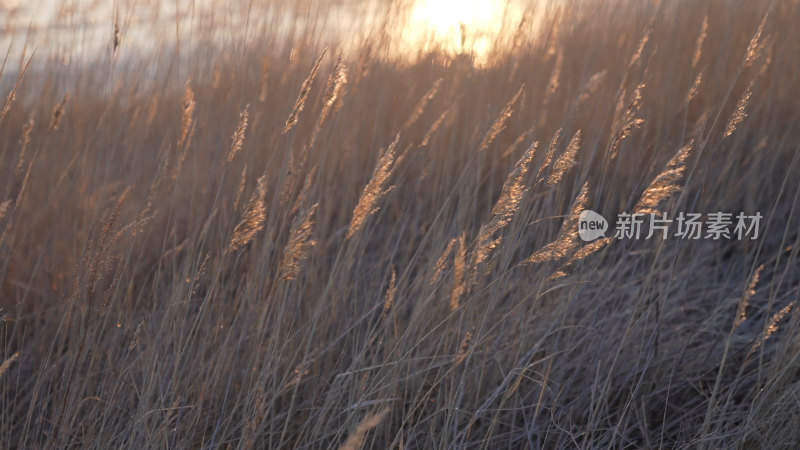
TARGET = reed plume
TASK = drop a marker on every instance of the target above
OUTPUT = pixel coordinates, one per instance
(566, 160)
(665, 184)
(421, 104)
(626, 121)
(187, 115)
(695, 88)
(459, 273)
(58, 112)
(337, 81)
(253, 219)
(740, 113)
(555, 76)
(503, 212)
(434, 127)
(579, 255)
(12, 94)
(698, 46)
(374, 191)
(640, 49)
(756, 44)
(590, 87)
(567, 239)
(741, 311)
(548, 157)
(237, 140)
(513, 189)
(4, 208)
(305, 89)
(135, 339)
(24, 141)
(771, 328)
(438, 268)
(7, 363)
(499, 123)
(334, 89)
(463, 348)
(100, 261)
(391, 291)
(356, 438)
(588, 249)
(299, 244)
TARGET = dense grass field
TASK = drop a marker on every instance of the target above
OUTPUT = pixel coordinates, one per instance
(220, 233)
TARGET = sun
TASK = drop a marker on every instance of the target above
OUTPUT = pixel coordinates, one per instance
(447, 16)
(457, 26)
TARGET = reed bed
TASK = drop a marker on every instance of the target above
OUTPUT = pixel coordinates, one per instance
(270, 241)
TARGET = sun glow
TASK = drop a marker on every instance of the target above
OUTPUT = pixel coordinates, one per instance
(458, 26)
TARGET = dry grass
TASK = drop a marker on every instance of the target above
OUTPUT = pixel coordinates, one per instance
(276, 240)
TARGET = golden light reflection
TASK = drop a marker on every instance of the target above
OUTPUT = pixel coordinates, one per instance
(458, 26)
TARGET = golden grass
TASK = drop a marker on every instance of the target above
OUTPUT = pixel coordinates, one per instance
(254, 234)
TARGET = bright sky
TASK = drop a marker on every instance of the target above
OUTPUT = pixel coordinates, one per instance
(441, 22)
(446, 15)
(455, 26)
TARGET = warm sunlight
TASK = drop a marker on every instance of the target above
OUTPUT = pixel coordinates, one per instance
(458, 26)
(445, 16)
(424, 224)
